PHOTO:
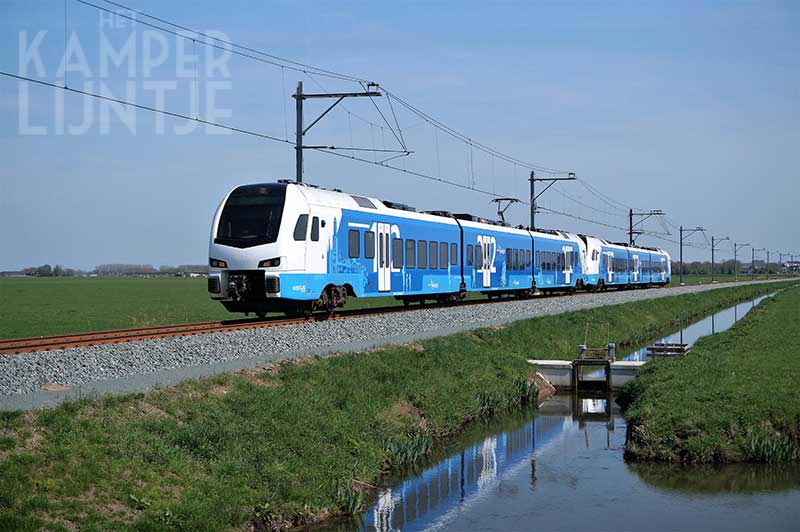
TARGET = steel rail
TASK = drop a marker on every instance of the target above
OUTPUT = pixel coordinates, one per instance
(16, 346)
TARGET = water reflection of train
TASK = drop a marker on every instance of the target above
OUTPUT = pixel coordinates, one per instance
(298, 248)
(430, 497)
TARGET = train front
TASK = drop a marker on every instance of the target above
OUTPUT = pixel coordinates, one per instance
(251, 244)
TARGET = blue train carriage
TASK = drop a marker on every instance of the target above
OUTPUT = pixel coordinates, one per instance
(557, 261)
(498, 259)
(639, 266)
(298, 248)
(613, 265)
(660, 267)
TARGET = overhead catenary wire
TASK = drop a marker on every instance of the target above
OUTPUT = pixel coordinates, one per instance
(309, 70)
(289, 63)
(159, 24)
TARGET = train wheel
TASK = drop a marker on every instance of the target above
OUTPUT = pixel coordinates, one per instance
(261, 314)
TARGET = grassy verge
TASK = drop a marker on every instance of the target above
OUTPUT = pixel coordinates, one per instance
(735, 398)
(720, 278)
(292, 444)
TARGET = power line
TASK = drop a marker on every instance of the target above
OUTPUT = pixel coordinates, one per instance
(576, 217)
(308, 69)
(298, 67)
(410, 172)
(571, 198)
(469, 141)
(611, 202)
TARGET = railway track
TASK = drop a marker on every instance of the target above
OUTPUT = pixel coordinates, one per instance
(65, 341)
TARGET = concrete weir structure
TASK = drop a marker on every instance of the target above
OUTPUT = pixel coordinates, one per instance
(561, 373)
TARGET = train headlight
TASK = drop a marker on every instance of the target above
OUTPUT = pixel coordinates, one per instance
(270, 263)
(214, 263)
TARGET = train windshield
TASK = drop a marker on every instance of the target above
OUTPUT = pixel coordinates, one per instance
(251, 216)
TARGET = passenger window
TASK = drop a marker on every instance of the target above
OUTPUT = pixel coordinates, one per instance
(353, 243)
(453, 254)
(516, 259)
(433, 255)
(315, 229)
(509, 260)
(301, 228)
(470, 255)
(397, 253)
(443, 255)
(369, 245)
(527, 258)
(422, 254)
(411, 254)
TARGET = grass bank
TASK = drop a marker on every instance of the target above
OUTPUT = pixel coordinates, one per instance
(734, 398)
(291, 444)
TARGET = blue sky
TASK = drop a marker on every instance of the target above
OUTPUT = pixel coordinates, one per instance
(689, 107)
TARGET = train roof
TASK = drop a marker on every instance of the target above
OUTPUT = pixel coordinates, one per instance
(337, 198)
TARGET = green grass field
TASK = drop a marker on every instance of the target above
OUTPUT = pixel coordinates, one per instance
(47, 306)
(734, 398)
(292, 444)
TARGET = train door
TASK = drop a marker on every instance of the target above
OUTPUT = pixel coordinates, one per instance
(384, 258)
(488, 245)
(610, 262)
(567, 252)
(635, 268)
(487, 265)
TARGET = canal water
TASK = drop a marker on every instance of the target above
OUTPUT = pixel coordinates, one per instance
(715, 323)
(561, 467)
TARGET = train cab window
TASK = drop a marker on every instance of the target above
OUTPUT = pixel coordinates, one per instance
(433, 255)
(301, 228)
(397, 253)
(369, 244)
(470, 255)
(443, 256)
(411, 254)
(422, 254)
(353, 243)
(479, 257)
(315, 229)
(453, 254)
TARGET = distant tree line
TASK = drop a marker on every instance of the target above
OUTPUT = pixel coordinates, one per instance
(58, 270)
(722, 268)
(46, 270)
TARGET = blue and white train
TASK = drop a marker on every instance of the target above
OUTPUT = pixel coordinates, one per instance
(298, 248)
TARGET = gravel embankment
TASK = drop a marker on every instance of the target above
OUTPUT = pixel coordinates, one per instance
(180, 357)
